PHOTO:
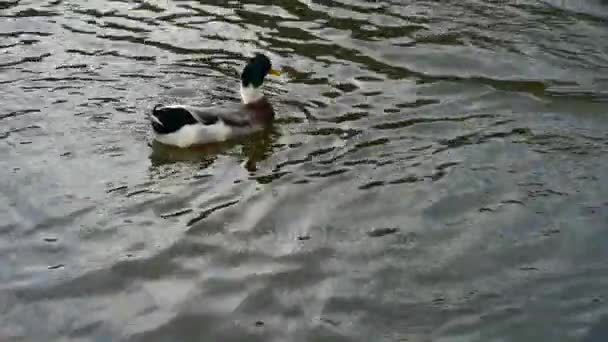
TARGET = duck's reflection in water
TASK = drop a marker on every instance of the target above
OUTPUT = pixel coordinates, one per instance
(251, 149)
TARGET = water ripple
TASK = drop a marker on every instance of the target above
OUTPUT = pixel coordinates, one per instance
(435, 172)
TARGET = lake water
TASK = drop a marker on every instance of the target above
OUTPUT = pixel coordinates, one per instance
(437, 172)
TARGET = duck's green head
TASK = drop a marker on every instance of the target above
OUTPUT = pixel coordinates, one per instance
(256, 70)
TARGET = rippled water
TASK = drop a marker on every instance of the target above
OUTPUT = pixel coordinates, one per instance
(437, 172)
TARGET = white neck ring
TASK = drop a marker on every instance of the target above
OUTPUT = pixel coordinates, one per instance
(250, 94)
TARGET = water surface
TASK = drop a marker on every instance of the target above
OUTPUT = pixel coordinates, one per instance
(437, 172)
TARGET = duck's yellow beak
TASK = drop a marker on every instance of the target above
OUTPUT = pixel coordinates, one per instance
(274, 72)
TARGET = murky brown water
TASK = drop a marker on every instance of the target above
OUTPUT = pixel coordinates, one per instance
(438, 172)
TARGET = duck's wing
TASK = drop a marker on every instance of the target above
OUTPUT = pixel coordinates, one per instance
(171, 118)
(231, 115)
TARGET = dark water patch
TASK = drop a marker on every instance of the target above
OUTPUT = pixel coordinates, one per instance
(104, 99)
(96, 13)
(101, 281)
(440, 39)
(19, 113)
(421, 148)
(108, 24)
(476, 138)
(125, 109)
(161, 45)
(379, 232)
(139, 192)
(267, 179)
(173, 16)
(446, 165)
(8, 4)
(344, 133)
(203, 215)
(71, 79)
(360, 162)
(545, 193)
(591, 96)
(83, 52)
(309, 157)
(8, 46)
(30, 59)
(29, 41)
(502, 122)
(33, 12)
(16, 34)
(371, 184)
(407, 179)
(118, 188)
(512, 201)
(331, 94)
(572, 144)
(71, 66)
(304, 108)
(143, 76)
(346, 87)
(550, 231)
(287, 120)
(133, 57)
(371, 143)
(351, 116)
(437, 175)
(328, 173)
(415, 121)
(392, 110)
(6, 134)
(147, 6)
(176, 213)
(417, 103)
(77, 30)
(363, 106)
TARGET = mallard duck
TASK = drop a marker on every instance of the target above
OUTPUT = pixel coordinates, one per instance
(184, 125)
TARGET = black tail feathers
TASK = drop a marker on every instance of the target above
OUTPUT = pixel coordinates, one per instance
(167, 119)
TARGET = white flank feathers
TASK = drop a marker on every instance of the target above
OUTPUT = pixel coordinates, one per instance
(197, 134)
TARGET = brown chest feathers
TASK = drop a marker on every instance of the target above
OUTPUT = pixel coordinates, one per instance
(261, 111)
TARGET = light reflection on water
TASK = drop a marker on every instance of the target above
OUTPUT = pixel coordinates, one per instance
(435, 173)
